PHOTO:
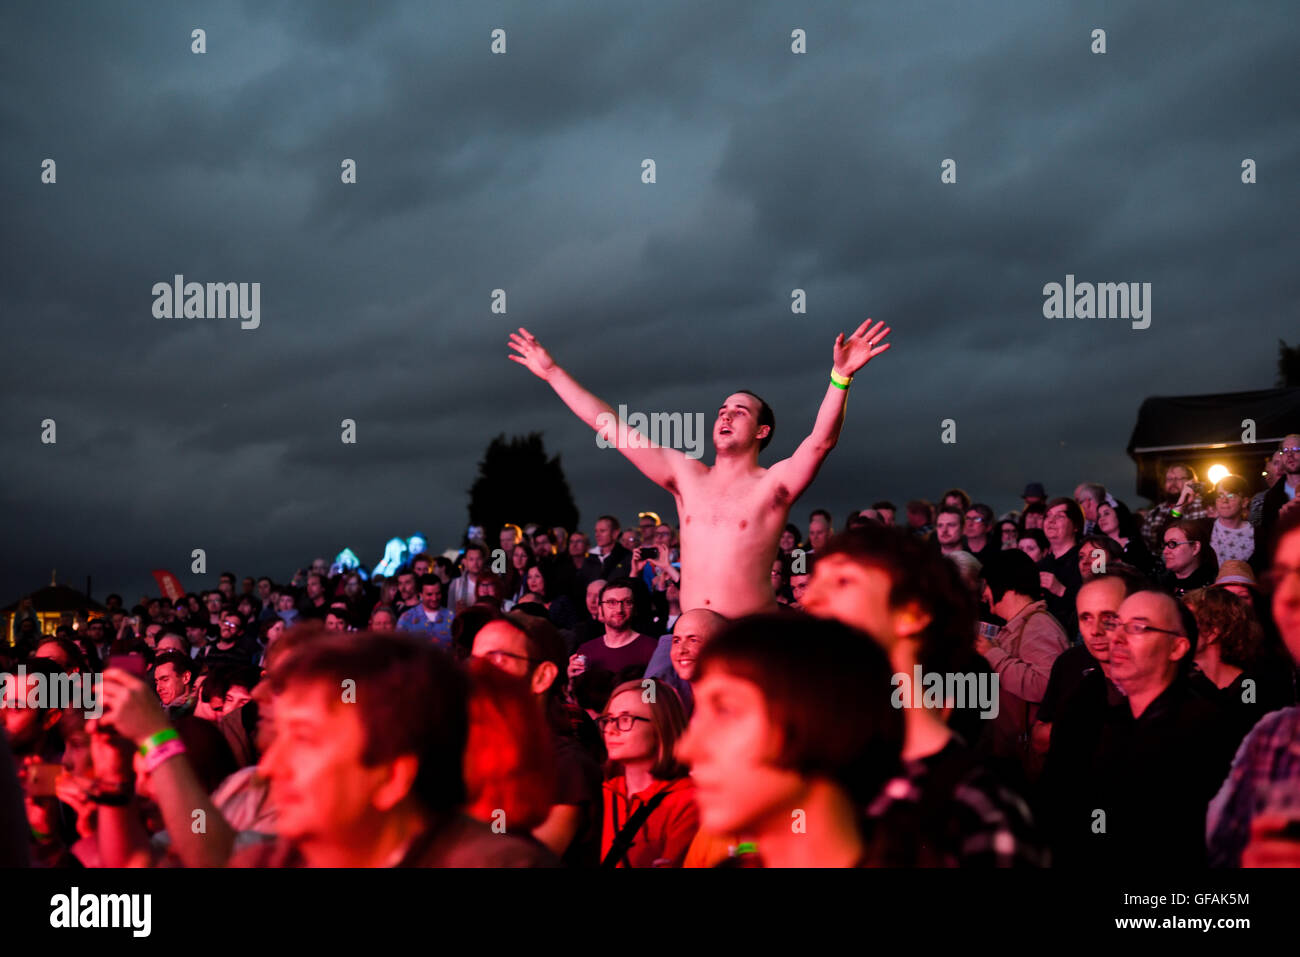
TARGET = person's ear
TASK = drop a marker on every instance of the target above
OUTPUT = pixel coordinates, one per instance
(763, 432)
(1181, 646)
(544, 676)
(911, 620)
(402, 771)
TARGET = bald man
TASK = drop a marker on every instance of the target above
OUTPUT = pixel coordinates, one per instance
(674, 659)
(1162, 752)
(733, 512)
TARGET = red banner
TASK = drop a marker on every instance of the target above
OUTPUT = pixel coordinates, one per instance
(169, 583)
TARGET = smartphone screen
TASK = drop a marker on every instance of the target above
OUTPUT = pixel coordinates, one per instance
(131, 664)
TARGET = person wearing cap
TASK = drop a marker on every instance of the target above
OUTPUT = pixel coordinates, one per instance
(1034, 494)
(1239, 578)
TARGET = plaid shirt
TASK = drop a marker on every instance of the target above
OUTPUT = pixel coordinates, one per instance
(1161, 515)
(979, 823)
(1268, 760)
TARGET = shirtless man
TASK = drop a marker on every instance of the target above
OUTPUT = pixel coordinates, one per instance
(731, 514)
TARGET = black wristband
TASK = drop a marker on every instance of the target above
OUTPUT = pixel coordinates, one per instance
(111, 798)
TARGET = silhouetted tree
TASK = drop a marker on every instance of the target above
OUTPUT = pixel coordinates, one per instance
(1288, 365)
(518, 483)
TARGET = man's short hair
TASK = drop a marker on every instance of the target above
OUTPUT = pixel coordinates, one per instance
(429, 579)
(885, 504)
(1191, 472)
(765, 417)
(986, 513)
(1095, 491)
(919, 506)
(612, 521)
(182, 662)
(477, 547)
(410, 696)
(951, 510)
(826, 687)
(1011, 570)
(822, 514)
(625, 582)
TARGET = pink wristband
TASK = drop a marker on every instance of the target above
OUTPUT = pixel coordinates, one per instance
(164, 752)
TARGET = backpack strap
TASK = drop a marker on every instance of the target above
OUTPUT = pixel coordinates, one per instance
(627, 833)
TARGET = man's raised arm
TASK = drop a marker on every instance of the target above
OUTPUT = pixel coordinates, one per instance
(658, 464)
(851, 354)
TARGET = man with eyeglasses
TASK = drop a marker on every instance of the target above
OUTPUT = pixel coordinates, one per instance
(1182, 499)
(1283, 492)
(531, 648)
(1161, 754)
(621, 647)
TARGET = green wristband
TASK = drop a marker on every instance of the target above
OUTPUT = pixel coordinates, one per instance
(162, 737)
(840, 381)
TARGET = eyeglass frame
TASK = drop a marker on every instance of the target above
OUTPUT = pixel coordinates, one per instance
(604, 720)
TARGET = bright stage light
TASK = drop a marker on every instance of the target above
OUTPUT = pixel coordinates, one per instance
(1218, 473)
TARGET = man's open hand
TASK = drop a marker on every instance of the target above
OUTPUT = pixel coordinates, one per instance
(857, 350)
(531, 353)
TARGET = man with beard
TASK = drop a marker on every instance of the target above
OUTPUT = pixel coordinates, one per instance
(1182, 499)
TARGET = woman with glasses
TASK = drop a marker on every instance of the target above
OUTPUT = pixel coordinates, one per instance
(1233, 537)
(1189, 561)
(650, 817)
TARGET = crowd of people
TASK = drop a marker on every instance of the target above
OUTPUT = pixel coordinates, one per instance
(545, 699)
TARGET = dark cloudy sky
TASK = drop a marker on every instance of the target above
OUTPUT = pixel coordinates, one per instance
(522, 171)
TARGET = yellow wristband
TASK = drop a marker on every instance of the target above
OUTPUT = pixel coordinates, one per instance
(839, 381)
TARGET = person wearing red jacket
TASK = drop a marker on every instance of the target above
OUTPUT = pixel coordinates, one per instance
(649, 801)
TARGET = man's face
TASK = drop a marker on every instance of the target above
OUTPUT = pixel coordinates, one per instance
(647, 529)
(334, 621)
(248, 586)
(1286, 593)
(197, 635)
(1291, 455)
(605, 532)
(730, 746)
(230, 626)
(382, 621)
(406, 587)
(818, 533)
(1150, 660)
(1083, 498)
(799, 588)
(974, 526)
(617, 605)
(542, 545)
(214, 603)
(1034, 520)
(95, 631)
(227, 587)
(917, 518)
(319, 785)
(691, 632)
(593, 599)
(664, 537)
(1181, 554)
(736, 427)
(315, 586)
(320, 567)
(473, 562)
(421, 568)
(577, 545)
(1175, 478)
(630, 539)
(787, 541)
(505, 646)
(286, 603)
(1098, 606)
(853, 593)
(507, 539)
(236, 698)
(151, 634)
(264, 589)
(1009, 533)
(171, 686)
(1273, 468)
(431, 597)
(947, 528)
(1057, 526)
